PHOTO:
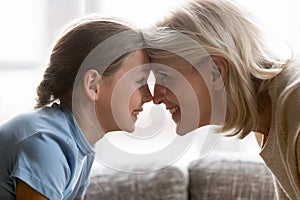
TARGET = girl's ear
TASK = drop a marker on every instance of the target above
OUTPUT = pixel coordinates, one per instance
(91, 82)
(219, 71)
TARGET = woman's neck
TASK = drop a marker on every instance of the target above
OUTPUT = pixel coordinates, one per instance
(265, 114)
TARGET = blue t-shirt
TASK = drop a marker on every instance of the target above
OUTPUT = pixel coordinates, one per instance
(47, 150)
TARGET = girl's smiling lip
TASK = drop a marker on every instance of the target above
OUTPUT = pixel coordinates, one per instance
(135, 113)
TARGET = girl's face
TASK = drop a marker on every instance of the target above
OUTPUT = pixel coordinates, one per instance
(183, 91)
(124, 93)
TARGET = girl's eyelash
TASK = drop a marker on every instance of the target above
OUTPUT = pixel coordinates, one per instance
(142, 81)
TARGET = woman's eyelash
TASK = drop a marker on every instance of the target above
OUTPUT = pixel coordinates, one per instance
(164, 76)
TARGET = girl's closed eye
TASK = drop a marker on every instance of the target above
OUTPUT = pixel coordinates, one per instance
(142, 81)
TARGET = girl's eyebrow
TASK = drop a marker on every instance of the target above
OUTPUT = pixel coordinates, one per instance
(144, 67)
(144, 71)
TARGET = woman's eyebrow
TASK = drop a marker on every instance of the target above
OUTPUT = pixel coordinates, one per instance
(159, 70)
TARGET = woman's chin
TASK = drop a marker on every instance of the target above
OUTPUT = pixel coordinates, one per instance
(183, 130)
(180, 131)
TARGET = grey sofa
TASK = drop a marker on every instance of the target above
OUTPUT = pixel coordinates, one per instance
(207, 179)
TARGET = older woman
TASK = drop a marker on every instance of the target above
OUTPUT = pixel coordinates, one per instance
(212, 67)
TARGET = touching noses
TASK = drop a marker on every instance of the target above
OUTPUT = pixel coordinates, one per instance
(159, 94)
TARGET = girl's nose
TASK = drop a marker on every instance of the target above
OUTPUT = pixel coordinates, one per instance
(146, 94)
(159, 94)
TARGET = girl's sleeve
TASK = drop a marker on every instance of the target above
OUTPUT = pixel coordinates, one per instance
(41, 163)
(87, 174)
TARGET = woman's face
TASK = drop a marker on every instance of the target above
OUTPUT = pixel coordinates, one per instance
(124, 93)
(183, 91)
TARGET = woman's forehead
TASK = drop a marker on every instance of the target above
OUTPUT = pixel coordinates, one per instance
(167, 63)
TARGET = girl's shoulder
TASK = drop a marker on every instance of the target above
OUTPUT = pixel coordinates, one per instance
(46, 121)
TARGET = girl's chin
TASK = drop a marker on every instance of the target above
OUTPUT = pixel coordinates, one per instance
(134, 118)
(130, 129)
(127, 123)
(129, 126)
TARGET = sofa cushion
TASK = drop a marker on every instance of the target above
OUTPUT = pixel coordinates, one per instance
(211, 179)
(165, 184)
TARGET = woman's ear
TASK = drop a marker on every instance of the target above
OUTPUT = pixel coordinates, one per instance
(91, 82)
(219, 71)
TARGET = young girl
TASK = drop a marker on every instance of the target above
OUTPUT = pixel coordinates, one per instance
(262, 93)
(95, 82)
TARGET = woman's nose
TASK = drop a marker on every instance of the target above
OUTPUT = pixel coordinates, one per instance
(159, 94)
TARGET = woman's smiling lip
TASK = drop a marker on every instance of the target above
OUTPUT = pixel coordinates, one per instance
(175, 112)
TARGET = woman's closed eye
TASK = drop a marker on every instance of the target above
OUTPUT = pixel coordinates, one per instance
(162, 77)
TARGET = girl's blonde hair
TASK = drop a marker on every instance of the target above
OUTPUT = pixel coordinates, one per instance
(222, 29)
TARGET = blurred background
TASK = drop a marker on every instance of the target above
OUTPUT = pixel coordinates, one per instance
(28, 29)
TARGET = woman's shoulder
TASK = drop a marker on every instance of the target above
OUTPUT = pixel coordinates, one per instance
(285, 94)
(294, 68)
(287, 79)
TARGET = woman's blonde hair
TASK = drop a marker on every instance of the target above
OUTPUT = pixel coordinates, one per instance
(222, 29)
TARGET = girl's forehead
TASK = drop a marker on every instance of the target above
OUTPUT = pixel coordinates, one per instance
(138, 54)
